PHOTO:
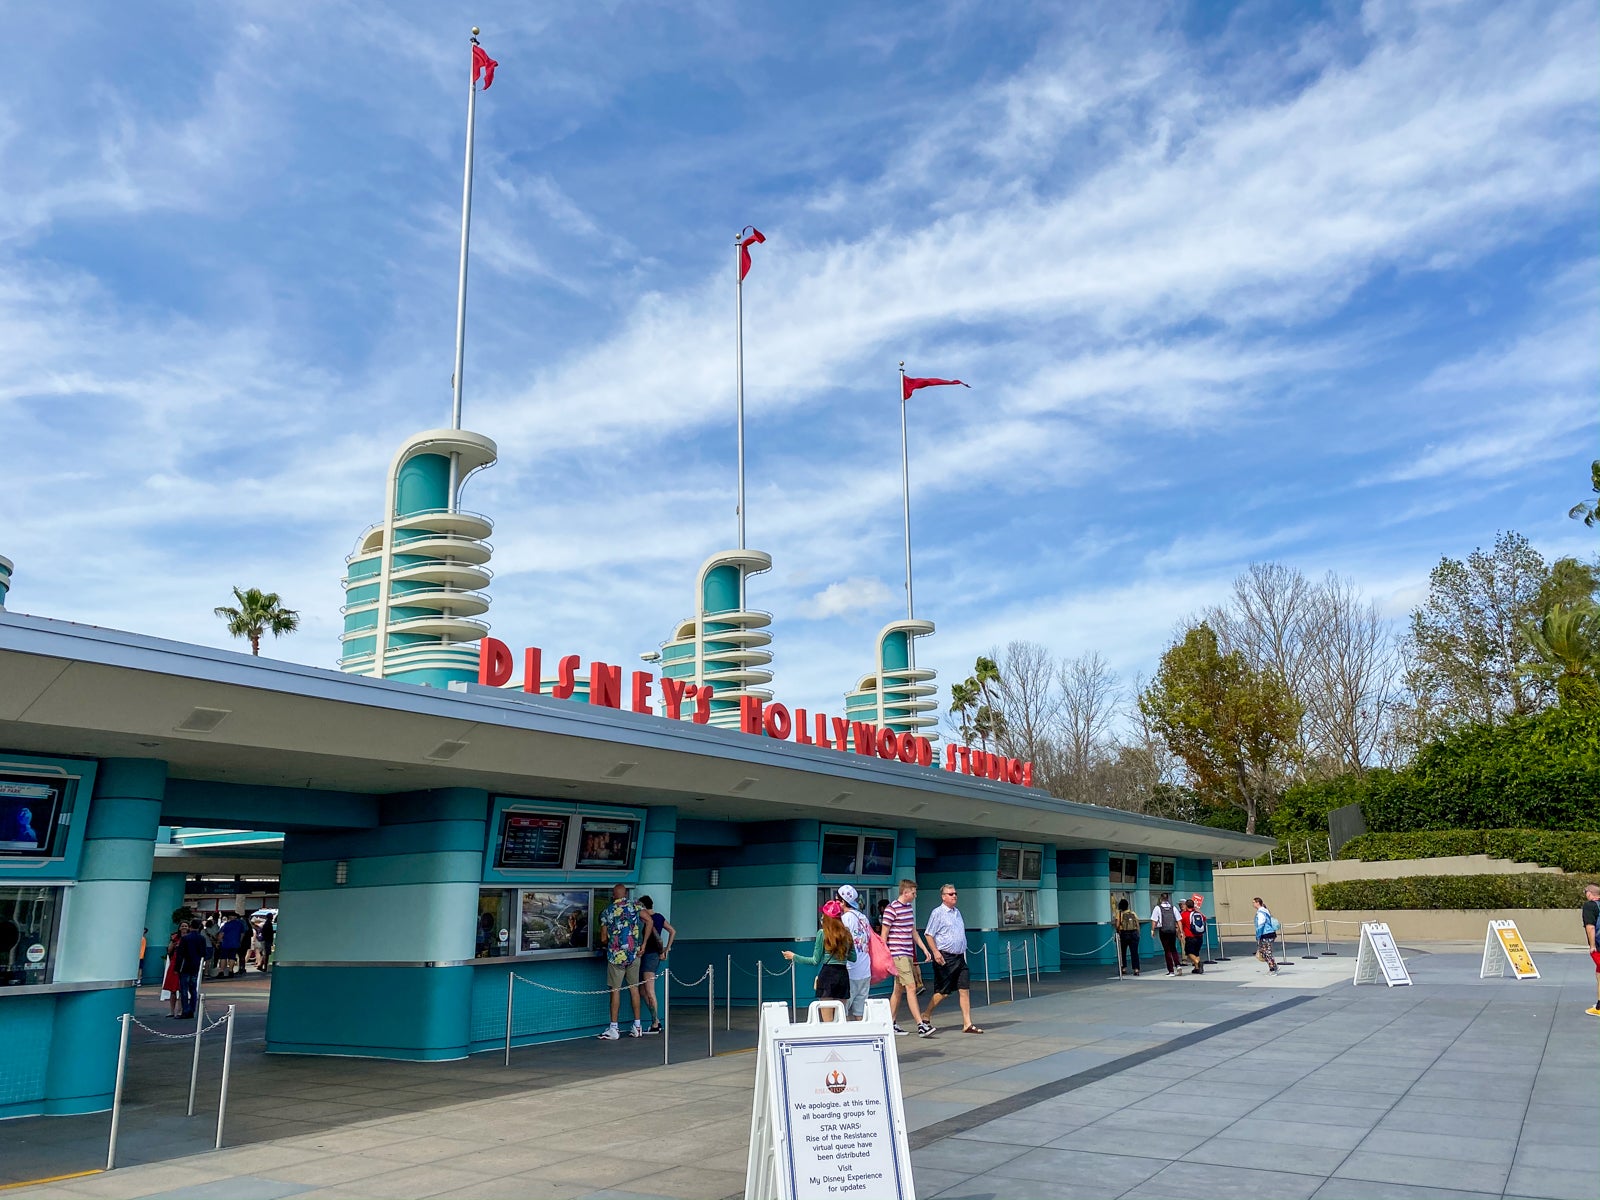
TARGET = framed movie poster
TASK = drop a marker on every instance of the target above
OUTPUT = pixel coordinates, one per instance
(554, 919)
(606, 844)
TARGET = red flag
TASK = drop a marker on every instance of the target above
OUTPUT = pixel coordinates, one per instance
(481, 62)
(909, 385)
(755, 235)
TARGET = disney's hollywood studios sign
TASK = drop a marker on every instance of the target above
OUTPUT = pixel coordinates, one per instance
(760, 718)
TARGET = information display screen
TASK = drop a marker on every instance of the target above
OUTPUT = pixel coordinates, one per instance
(606, 845)
(30, 810)
(1010, 862)
(532, 841)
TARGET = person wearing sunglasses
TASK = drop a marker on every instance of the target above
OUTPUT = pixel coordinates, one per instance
(947, 939)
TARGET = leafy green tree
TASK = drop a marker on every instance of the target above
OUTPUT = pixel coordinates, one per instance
(1234, 727)
(257, 613)
(1588, 511)
(1468, 642)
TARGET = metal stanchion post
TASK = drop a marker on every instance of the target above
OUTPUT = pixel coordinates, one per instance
(511, 999)
(986, 999)
(666, 1016)
(1325, 950)
(794, 999)
(1010, 978)
(1036, 964)
(199, 1025)
(227, 1070)
(1308, 953)
(727, 985)
(1027, 976)
(758, 994)
(711, 1012)
(116, 1096)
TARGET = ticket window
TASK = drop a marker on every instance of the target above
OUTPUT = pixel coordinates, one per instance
(1124, 879)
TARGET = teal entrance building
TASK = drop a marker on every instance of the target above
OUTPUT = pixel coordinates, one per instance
(435, 839)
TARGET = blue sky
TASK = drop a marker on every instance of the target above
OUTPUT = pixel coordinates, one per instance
(1314, 284)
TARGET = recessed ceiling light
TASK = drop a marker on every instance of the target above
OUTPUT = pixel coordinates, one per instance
(743, 785)
(916, 808)
(840, 798)
(444, 750)
(620, 770)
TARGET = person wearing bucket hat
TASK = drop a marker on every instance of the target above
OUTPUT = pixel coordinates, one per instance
(859, 971)
(832, 954)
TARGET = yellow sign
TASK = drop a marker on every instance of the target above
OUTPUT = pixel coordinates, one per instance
(1502, 948)
(1511, 942)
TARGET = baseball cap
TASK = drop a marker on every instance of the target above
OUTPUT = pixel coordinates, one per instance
(850, 896)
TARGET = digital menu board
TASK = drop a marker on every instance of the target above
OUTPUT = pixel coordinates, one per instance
(1010, 862)
(30, 808)
(532, 841)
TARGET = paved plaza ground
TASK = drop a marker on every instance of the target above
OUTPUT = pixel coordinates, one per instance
(1232, 1084)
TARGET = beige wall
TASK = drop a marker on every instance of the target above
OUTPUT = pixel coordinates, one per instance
(1287, 892)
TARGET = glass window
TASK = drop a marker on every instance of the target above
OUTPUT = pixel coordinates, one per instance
(1018, 907)
(1161, 872)
(497, 922)
(28, 934)
(1124, 870)
(872, 899)
(1023, 863)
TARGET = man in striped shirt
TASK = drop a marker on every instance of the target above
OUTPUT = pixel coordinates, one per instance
(901, 937)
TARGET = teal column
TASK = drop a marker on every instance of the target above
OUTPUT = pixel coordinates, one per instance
(166, 895)
(100, 938)
(379, 966)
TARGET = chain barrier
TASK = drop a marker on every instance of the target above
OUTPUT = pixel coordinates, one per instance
(187, 1036)
(1086, 953)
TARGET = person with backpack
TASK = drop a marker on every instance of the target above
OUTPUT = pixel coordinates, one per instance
(832, 955)
(1194, 942)
(1190, 943)
(1164, 927)
(1266, 934)
(860, 968)
(1128, 936)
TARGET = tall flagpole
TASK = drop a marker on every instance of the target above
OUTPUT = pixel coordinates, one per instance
(461, 280)
(905, 500)
(738, 367)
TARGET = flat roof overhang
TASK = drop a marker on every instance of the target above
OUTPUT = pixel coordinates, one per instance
(80, 690)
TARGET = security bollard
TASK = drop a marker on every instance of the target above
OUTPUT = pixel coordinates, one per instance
(711, 1013)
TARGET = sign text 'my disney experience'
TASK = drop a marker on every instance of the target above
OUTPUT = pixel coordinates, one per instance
(682, 700)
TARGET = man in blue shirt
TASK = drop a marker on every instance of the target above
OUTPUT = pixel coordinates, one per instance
(947, 938)
(191, 956)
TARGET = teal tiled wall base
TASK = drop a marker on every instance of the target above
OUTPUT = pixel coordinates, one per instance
(82, 1068)
(24, 1053)
(416, 1014)
(1092, 944)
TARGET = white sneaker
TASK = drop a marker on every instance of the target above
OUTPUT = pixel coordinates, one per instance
(898, 1032)
(611, 1034)
(636, 1031)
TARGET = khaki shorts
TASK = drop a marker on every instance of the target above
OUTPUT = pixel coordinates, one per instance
(617, 974)
(905, 973)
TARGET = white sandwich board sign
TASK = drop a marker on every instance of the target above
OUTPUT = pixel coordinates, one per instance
(1503, 948)
(1377, 957)
(828, 1120)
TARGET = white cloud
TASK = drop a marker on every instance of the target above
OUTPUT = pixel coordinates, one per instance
(848, 598)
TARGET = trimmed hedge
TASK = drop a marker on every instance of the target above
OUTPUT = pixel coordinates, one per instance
(1453, 892)
(1548, 848)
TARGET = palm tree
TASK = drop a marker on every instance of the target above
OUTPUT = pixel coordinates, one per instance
(963, 699)
(1567, 642)
(1588, 511)
(258, 612)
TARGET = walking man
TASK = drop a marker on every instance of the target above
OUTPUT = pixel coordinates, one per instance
(947, 939)
(622, 927)
(901, 936)
(191, 960)
(858, 969)
(1164, 925)
(1591, 919)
